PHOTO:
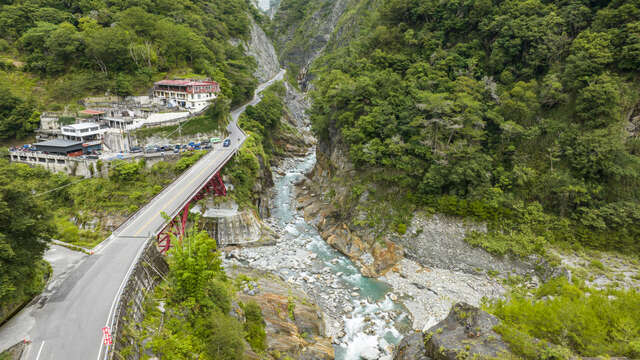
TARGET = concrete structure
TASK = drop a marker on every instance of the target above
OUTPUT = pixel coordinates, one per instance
(90, 134)
(71, 165)
(68, 324)
(60, 147)
(82, 132)
(189, 94)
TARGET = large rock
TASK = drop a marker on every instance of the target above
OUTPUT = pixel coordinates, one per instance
(411, 348)
(301, 336)
(466, 333)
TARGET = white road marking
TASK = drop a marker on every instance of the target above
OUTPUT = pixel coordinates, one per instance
(115, 299)
(126, 277)
(40, 351)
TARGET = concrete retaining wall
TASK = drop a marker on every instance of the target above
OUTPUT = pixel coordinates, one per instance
(148, 272)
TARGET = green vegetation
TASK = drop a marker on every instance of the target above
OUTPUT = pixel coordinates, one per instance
(262, 125)
(197, 299)
(18, 117)
(579, 320)
(25, 229)
(254, 327)
(263, 120)
(517, 112)
(53, 53)
(70, 217)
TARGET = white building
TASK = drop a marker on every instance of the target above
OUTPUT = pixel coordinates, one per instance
(194, 95)
(85, 132)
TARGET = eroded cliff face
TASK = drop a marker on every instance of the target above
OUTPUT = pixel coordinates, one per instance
(466, 333)
(261, 49)
(301, 39)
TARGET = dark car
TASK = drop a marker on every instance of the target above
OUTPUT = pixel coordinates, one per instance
(226, 143)
(136, 149)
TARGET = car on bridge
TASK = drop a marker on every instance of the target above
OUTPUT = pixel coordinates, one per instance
(226, 143)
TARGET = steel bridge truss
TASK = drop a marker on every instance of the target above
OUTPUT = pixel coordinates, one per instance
(177, 226)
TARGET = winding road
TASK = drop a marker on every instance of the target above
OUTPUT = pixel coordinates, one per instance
(66, 323)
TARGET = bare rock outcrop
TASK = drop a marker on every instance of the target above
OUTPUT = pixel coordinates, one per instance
(466, 333)
(294, 326)
(261, 49)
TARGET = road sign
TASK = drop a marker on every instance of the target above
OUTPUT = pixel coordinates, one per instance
(107, 340)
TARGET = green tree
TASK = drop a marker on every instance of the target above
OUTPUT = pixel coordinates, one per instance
(591, 52)
(25, 230)
(599, 103)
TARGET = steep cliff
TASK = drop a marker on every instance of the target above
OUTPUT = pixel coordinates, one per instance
(302, 31)
(261, 49)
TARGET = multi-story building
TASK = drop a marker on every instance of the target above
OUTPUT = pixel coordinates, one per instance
(90, 134)
(189, 94)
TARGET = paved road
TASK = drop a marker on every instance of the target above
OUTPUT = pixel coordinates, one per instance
(67, 324)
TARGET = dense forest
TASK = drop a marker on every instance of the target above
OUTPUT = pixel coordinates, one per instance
(522, 113)
(55, 52)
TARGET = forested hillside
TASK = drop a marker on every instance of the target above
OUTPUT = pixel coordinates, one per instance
(522, 113)
(55, 52)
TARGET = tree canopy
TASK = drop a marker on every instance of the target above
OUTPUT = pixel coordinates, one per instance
(502, 104)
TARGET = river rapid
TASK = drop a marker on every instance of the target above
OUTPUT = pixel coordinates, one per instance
(360, 315)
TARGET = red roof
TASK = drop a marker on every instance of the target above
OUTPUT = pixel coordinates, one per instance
(91, 112)
(185, 83)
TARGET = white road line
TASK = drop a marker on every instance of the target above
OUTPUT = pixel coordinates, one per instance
(126, 277)
(116, 298)
(40, 351)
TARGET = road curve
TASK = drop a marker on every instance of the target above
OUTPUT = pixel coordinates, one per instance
(66, 325)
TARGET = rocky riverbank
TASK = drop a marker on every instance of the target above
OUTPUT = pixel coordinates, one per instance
(294, 325)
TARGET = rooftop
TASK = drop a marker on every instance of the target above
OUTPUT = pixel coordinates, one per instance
(59, 143)
(91, 112)
(185, 82)
(81, 126)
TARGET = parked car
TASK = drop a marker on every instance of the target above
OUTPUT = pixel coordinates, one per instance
(136, 149)
(226, 143)
(215, 140)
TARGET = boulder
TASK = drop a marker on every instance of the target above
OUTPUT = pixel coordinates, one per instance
(467, 332)
(411, 348)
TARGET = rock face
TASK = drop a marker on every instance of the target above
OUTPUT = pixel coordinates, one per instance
(301, 40)
(148, 272)
(467, 332)
(411, 348)
(438, 241)
(294, 327)
(231, 226)
(261, 49)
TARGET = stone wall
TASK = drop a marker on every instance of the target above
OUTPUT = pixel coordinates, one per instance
(148, 272)
(82, 167)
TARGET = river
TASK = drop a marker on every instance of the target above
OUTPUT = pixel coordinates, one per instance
(359, 313)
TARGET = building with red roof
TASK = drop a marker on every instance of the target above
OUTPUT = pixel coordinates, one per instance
(189, 94)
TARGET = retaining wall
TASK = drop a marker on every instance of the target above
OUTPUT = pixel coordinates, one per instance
(148, 272)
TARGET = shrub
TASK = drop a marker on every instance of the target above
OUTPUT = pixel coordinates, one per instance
(587, 321)
(254, 327)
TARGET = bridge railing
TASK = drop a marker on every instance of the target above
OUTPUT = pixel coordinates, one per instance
(114, 321)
